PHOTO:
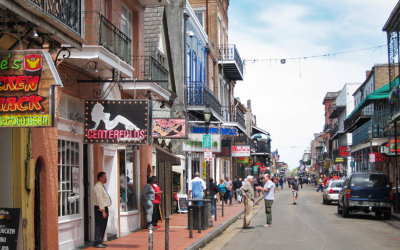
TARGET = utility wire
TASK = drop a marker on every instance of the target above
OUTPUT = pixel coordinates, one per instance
(283, 59)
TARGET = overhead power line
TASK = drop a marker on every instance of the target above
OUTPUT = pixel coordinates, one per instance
(284, 59)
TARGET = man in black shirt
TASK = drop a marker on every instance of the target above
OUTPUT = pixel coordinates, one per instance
(213, 195)
(294, 185)
(237, 184)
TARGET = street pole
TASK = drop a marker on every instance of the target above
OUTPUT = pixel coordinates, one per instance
(396, 167)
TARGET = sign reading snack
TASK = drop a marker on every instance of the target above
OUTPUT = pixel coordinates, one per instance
(116, 121)
(169, 128)
(26, 91)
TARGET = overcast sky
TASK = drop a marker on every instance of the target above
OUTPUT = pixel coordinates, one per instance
(287, 98)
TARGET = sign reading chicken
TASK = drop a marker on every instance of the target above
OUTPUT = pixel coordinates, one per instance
(116, 121)
(27, 80)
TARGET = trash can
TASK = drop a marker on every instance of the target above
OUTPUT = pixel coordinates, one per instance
(396, 201)
(199, 206)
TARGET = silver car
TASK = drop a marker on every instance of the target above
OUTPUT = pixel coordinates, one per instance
(331, 193)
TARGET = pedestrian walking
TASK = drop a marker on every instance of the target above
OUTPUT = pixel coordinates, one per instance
(197, 187)
(101, 201)
(148, 196)
(237, 184)
(294, 185)
(156, 203)
(213, 195)
(247, 192)
(228, 186)
(280, 182)
(268, 193)
(222, 190)
(320, 184)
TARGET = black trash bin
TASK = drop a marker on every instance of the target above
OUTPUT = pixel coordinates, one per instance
(199, 206)
(396, 201)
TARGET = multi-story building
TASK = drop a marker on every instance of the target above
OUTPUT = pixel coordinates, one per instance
(340, 141)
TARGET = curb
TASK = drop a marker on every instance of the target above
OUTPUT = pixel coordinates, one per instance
(217, 231)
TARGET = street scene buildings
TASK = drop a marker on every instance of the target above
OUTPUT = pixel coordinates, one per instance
(142, 88)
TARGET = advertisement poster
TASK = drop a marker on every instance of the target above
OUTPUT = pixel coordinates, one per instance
(169, 128)
(240, 151)
(9, 224)
(75, 180)
(26, 88)
(116, 121)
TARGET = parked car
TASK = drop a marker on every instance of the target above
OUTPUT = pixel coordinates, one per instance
(331, 192)
(367, 192)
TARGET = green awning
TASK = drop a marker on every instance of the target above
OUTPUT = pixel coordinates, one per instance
(381, 93)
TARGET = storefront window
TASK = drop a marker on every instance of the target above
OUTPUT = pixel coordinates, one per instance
(128, 180)
(68, 177)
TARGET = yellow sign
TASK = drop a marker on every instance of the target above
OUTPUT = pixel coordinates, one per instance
(339, 159)
(204, 172)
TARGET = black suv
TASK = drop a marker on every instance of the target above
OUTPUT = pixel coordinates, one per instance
(368, 192)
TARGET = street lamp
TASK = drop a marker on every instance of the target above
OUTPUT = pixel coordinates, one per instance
(207, 117)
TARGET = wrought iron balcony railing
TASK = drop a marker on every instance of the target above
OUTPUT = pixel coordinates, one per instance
(240, 118)
(153, 68)
(200, 95)
(231, 62)
(99, 30)
(66, 12)
(357, 119)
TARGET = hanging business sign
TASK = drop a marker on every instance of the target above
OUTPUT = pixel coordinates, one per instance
(243, 160)
(240, 151)
(214, 131)
(116, 121)
(27, 80)
(9, 224)
(194, 143)
(339, 159)
(168, 128)
(344, 151)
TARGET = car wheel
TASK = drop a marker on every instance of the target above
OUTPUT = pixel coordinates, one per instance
(345, 212)
(339, 208)
(328, 202)
(323, 200)
(387, 215)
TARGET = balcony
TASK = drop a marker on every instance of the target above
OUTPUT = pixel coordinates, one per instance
(199, 96)
(67, 13)
(240, 119)
(150, 3)
(107, 47)
(231, 62)
(232, 117)
(151, 74)
(357, 119)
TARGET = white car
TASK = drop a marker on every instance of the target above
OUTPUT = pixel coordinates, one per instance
(331, 193)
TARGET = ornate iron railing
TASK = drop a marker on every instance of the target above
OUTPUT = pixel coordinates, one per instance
(67, 12)
(240, 118)
(200, 95)
(154, 67)
(99, 30)
(229, 53)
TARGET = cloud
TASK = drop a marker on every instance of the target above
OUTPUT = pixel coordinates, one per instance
(287, 98)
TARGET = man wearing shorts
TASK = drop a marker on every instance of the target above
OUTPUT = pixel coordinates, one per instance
(294, 185)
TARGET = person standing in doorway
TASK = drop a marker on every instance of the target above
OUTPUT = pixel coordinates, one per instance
(268, 193)
(294, 185)
(101, 201)
(148, 196)
(247, 192)
(156, 203)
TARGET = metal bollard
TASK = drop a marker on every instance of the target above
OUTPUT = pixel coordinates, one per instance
(151, 237)
(190, 222)
(215, 209)
(166, 233)
(199, 219)
(223, 201)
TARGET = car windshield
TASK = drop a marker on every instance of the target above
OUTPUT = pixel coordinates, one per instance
(370, 180)
(337, 184)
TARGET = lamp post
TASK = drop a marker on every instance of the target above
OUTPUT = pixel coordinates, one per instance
(207, 117)
(370, 136)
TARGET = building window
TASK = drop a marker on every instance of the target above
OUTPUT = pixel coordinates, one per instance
(200, 17)
(128, 180)
(68, 178)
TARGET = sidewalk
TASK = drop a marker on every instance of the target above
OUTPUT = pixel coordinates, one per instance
(178, 232)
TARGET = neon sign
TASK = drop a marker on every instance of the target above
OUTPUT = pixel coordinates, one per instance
(26, 77)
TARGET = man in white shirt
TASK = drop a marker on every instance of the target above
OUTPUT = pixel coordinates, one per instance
(102, 201)
(268, 193)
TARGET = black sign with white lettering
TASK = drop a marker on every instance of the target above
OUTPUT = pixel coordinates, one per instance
(9, 222)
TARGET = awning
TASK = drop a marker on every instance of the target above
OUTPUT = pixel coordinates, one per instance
(381, 93)
(255, 130)
(165, 156)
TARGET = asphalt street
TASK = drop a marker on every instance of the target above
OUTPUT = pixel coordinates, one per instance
(309, 225)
